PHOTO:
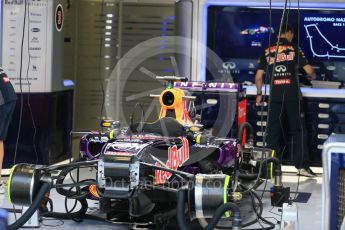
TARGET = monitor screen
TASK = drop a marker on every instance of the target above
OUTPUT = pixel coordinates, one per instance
(239, 35)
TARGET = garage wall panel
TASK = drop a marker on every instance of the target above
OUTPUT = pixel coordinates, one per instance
(106, 32)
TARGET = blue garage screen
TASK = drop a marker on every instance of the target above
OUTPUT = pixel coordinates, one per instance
(239, 35)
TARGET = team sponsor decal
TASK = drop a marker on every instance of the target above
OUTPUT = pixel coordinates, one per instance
(280, 68)
(35, 14)
(113, 153)
(185, 116)
(13, 2)
(34, 40)
(176, 158)
(140, 137)
(281, 57)
(35, 48)
(125, 148)
(281, 48)
(93, 190)
(59, 18)
(229, 65)
(285, 53)
(242, 117)
(282, 82)
(122, 146)
(206, 86)
(35, 30)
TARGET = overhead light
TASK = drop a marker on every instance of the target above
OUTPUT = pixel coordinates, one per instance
(109, 21)
(110, 15)
(107, 39)
(108, 27)
(108, 33)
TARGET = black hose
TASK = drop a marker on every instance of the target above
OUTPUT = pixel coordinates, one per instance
(68, 192)
(277, 173)
(236, 223)
(249, 176)
(259, 215)
(181, 210)
(216, 217)
(32, 209)
(60, 179)
(254, 176)
(68, 216)
(274, 160)
(278, 166)
(250, 133)
(75, 164)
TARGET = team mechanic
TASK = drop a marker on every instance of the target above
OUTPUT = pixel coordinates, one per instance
(7, 105)
(285, 99)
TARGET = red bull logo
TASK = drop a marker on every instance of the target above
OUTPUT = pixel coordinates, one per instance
(176, 158)
(185, 116)
(282, 56)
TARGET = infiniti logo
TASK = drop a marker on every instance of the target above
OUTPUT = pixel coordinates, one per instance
(229, 65)
(280, 68)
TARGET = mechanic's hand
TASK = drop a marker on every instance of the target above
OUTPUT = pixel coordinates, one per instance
(310, 78)
(258, 100)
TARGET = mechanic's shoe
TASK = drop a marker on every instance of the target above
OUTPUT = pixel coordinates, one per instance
(306, 172)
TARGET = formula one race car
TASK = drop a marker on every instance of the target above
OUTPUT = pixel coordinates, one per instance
(258, 30)
(169, 173)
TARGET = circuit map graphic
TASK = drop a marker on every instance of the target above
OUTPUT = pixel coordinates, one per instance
(334, 50)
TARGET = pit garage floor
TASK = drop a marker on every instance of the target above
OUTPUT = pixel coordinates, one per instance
(309, 213)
